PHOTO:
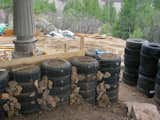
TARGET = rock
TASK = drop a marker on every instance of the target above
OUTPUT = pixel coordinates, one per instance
(142, 111)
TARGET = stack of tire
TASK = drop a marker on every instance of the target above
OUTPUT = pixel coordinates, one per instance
(3, 83)
(26, 77)
(59, 72)
(110, 65)
(157, 86)
(150, 55)
(132, 61)
(87, 67)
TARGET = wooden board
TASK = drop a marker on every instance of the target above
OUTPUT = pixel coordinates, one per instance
(38, 59)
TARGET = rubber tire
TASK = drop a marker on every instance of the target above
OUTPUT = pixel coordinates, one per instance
(132, 52)
(61, 81)
(25, 97)
(131, 61)
(50, 68)
(112, 71)
(130, 79)
(28, 87)
(3, 80)
(27, 75)
(91, 53)
(87, 85)
(158, 78)
(109, 61)
(85, 64)
(130, 70)
(28, 108)
(148, 66)
(146, 85)
(2, 113)
(88, 93)
(151, 49)
(64, 98)
(91, 100)
(157, 91)
(60, 90)
(113, 95)
(135, 43)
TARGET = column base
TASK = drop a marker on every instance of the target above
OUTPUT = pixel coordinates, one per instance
(24, 48)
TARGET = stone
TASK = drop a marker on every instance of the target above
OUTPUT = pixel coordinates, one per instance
(142, 111)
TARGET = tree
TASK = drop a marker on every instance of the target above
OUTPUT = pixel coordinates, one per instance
(124, 26)
(156, 4)
(6, 3)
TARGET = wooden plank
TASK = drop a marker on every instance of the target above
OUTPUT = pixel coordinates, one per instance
(38, 59)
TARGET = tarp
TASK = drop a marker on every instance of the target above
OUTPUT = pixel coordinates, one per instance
(2, 27)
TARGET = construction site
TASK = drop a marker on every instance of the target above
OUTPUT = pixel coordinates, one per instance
(64, 75)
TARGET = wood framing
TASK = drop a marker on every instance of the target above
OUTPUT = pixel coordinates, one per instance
(39, 59)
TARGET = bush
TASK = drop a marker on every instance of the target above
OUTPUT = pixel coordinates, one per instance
(137, 33)
(41, 6)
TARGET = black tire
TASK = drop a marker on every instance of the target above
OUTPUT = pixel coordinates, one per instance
(85, 64)
(132, 61)
(29, 108)
(158, 78)
(60, 90)
(3, 80)
(112, 82)
(64, 98)
(91, 53)
(151, 49)
(112, 71)
(27, 87)
(87, 85)
(130, 79)
(113, 95)
(109, 60)
(91, 100)
(135, 43)
(28, 74)
(132, 52)
(132, 70)
(157, 91)
(56, 68)
(26, 97)
(88, 93)
(148, 66)
(2, 113)
(146, 85)
(61, 81)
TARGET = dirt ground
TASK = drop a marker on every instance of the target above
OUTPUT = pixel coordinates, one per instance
(87, 112)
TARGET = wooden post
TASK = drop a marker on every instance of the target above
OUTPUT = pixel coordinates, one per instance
(66, 47)
(82, 44)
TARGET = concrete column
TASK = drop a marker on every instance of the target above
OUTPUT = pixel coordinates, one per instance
(23, 28)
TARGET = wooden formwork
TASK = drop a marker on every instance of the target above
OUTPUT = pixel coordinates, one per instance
(65, 48)
(49, 54)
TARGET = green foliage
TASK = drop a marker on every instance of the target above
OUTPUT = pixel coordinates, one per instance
(5, 3)
(138, 18)
(91, 8)
(43, 6)
(156, 4)
(39, 5)
(138, 33)
(106, 28)
(125, 24)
